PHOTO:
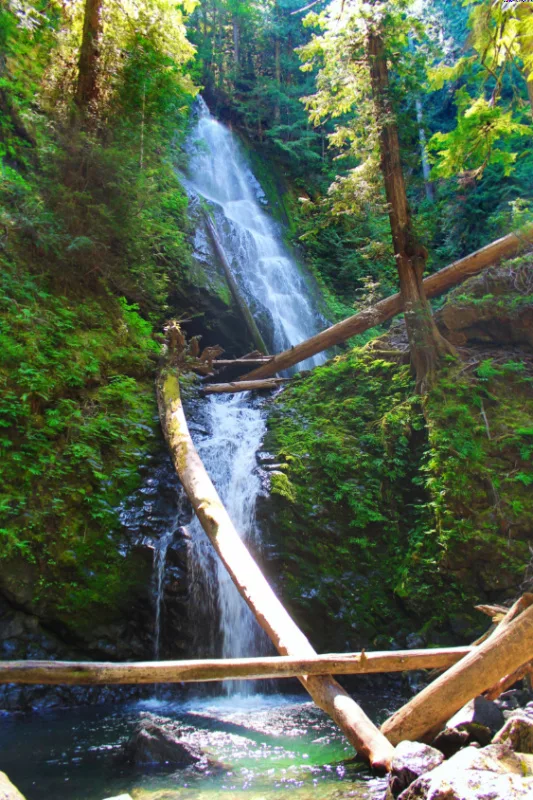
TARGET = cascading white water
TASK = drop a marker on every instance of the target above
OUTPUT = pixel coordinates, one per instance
(280, 301)
(160, 562)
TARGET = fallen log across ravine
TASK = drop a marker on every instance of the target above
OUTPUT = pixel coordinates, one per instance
(434, 285)
(242, 386)
(199, 671)
(252, 584)
(505, 651)
(240, 302)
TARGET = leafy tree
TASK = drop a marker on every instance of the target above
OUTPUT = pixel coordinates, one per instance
(490, 101)
(353, 52)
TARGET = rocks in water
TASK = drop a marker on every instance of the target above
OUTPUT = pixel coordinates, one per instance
(494, 772)
(517, 732)
(478, 711)
(157, 741)
(7, 790)
(450, 741)
(411, 760)
(477, 721)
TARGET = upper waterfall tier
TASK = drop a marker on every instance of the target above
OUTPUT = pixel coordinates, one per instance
(268, 277)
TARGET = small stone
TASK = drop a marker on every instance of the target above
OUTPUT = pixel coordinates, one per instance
(517, 733)
(450, 741)
(410, 760)
(414, 641)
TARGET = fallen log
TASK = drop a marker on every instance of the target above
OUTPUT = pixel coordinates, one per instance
(100, 673)
(242, 386)
(247, 362)
(252, 584)
(434, 285)
(505, 683)
(510, 646)
(240, 302)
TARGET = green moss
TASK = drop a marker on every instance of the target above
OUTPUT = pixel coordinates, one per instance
(399, 515)
(76, 421)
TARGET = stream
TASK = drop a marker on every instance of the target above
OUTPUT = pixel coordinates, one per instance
(265, 743)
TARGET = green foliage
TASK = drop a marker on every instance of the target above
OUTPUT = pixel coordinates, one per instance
(75, 422)
(391, 504)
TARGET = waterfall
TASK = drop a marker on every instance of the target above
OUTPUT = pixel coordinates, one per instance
(280, 301)
(160, 563)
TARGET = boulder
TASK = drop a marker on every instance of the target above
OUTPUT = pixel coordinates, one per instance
(410, 761)
(7, 790)
(120, 797)
(490, 773)
(450, 740)
(478, 711)
(517, 732)
(472, 784)
(154, 742)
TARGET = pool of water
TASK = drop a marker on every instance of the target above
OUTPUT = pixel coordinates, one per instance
(263, 745)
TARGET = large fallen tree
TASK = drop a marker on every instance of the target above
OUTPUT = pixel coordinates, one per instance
(99, 673)
(250, 581)
(504, 652)
(434, 285)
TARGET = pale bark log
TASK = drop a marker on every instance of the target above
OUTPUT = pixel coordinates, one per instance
(510, 646)
(243, 386)
(246, 362)
(506, 247)
(251, 583)
(199, 671)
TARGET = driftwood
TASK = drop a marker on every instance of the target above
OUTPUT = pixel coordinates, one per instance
(98, 673)
(505, 683)
(247, 362)
(507, 649)
(434, 285)
(243, 386)
(251, 583)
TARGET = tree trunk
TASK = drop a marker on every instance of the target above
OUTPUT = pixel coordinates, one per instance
(506, 247)
(251, 583)
(509, 647)
(277, 68)
(428, 186)
(87, 90)
(91, 673)
(426, 343)
(236, 40)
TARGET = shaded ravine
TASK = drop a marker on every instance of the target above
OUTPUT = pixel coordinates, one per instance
(275, 290)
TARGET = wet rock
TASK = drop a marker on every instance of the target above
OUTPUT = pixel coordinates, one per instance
(471, 784)
(517, 732)
(154, 742)
(7, 790)
(414, 641)
(410, 761)
(490, 773)
(478, 712)
(450, 741)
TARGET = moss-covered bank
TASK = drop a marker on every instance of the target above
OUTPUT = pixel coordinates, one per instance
(398, 514)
